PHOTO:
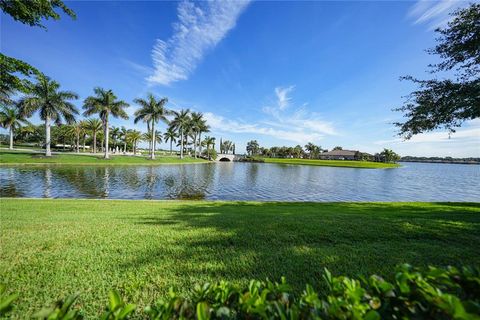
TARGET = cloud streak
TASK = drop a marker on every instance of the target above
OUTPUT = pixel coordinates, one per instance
(297, 135)
(283, 100)
(300, 126)
(434, 13)
(200, 27)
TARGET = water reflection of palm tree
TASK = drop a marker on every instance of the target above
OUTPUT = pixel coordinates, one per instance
(9, 189)
(252, 174)
(83, 180)
(106, 182)
(151, 179)
(47, 191)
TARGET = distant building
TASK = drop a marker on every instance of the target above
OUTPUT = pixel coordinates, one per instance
(339, 155)
(346, 155)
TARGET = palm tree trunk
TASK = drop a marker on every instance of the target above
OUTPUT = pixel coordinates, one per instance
(200, 143)
(181, 144)
(195, 145)
(171, 146)
(148, 130)
(95, 142)
(78, 143)
(124, 147)
(152, 151)
(11, 138)
(84, 138)
(105, 124)
(48, 152)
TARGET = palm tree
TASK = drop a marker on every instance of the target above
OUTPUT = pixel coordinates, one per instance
(151, 111)
(75, 131)
(84, 126)
(209, 141)
(198, 125)
(27, 131)
(52, 104)
(313, 150)
(170, 135)
(94, 126)
(115, 133)
(202, 128)
(123, 136)
(180, 123)
(134, 137)
(105, 103)
(11, 119)
(147, 136)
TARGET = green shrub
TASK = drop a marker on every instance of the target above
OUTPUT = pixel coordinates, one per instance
(436, 293)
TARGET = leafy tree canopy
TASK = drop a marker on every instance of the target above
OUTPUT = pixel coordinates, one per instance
(29, 12)
(9, 81)
(32, 12)
(447, 103)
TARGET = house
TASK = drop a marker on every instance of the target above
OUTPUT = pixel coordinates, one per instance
(340, 155)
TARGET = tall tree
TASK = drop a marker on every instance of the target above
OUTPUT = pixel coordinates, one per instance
(52, 104)
(447, 103)
(134, 136)
(253, 147)
(105, 103)
(208, 142)
(170, 135)
(30, 12)
(202, 127)
(123, 137)
(181, 122)
(94, 126)
(152, 110)
(84, 132)
(115, 133)
(76, 130)
(11, 118)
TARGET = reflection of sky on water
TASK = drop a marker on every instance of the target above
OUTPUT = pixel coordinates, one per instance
(246, 181)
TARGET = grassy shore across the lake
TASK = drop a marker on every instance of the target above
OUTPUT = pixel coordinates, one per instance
(333, 163)
(53, 248)
(8, 157)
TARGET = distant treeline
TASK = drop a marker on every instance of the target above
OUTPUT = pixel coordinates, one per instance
(441, 160)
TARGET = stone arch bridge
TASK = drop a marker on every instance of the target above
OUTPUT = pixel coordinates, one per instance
(223, 157)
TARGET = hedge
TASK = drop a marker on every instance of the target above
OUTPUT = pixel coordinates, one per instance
(434, 293)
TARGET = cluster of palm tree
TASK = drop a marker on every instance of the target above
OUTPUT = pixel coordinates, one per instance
(55, 107)
(227, 146)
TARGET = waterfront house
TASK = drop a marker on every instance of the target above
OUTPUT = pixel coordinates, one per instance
(339, 155)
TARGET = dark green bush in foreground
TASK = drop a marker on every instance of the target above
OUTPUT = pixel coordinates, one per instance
(433, 294)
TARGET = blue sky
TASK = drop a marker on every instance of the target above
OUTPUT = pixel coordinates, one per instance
(284, 73)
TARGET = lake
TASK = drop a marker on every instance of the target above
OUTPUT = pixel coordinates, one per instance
(246, 181)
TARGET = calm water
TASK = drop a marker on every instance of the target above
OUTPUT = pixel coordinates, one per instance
(246, 181)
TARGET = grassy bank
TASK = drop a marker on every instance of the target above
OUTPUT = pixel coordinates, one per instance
(52, 247)
(334, 163)
(28, 158)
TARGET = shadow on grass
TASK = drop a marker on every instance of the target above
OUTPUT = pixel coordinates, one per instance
(239, 241)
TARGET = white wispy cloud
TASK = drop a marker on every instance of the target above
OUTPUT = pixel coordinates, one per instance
(297, 135)
(434, 13)
(283, 99)
(465, 142)
(299, 126)
(200, 27)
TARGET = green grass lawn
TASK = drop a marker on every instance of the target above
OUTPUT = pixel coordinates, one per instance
(334, 163)
(8, 157)
(52, 248)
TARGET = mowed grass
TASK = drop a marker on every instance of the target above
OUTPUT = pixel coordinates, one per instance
(333, 163)
(28, 158)
(52, 248)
